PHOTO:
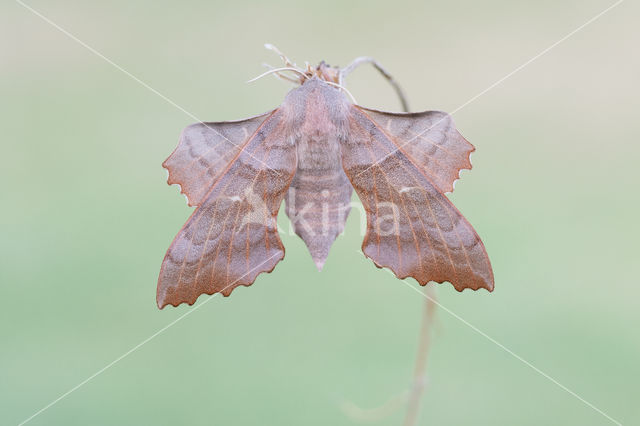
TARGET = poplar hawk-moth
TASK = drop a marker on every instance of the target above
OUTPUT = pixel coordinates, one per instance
(312, 151)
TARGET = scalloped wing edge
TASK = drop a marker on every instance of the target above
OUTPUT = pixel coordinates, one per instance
(226, 292)
(171, 179)
(467, 166)
(425, 282)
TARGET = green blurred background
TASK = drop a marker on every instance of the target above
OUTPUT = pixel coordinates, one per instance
(87, 216)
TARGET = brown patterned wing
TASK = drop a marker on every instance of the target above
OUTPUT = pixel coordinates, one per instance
(204, 152)
(430, 140)
(412, 228)
(232, 236)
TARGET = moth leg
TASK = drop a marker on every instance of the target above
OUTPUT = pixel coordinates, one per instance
(344, 72)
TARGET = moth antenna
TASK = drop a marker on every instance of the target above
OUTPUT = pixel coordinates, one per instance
(278, 70)
(344, 72)
(343, 88)
(284, 58)
(281, 76)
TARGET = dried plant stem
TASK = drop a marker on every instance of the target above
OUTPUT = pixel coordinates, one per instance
(411, 396)
(371, 415)
(368, 60)
(413, 408)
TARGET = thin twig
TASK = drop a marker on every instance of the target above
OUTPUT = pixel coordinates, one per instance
(417, 387)
(368, 60)
(375, 414)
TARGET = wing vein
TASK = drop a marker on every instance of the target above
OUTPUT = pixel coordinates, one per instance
(215, 208)
(455, 271)
(391, 191)
(428, 238)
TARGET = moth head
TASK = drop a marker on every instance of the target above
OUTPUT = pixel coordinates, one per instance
(326, 72)
(334, 76)
(322, 71)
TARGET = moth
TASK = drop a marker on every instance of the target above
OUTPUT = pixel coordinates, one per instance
(313, 151)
